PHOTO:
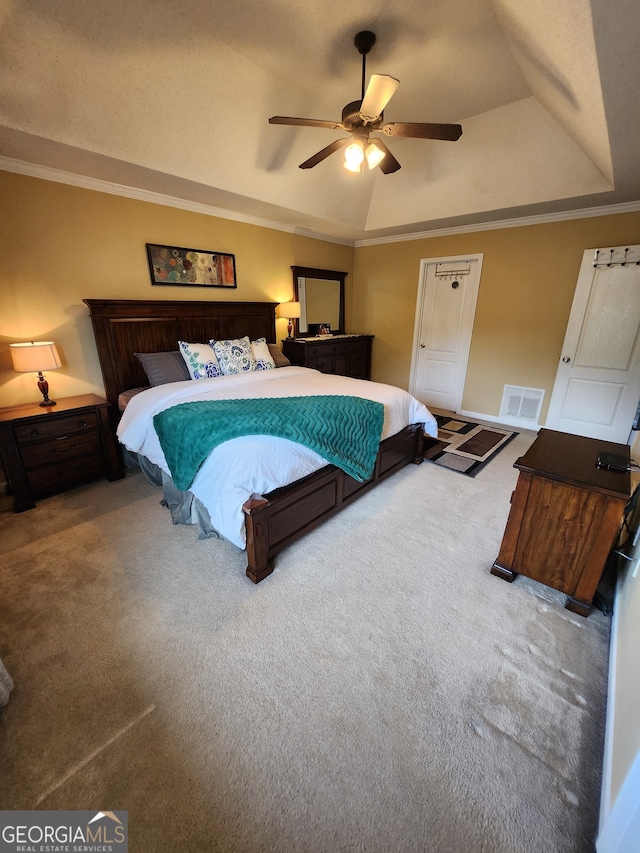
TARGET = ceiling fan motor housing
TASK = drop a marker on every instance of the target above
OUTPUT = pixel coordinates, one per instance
(351, 114)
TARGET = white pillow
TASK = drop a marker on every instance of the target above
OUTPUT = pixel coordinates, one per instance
(201, 360)
(234, 356)
(262, 355)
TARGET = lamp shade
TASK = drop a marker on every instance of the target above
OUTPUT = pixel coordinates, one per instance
(290, 310)
(34, 357)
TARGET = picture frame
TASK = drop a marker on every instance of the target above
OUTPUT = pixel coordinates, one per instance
(176, 266)
(319, 329)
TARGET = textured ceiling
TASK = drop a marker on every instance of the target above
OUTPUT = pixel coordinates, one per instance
(174, 97)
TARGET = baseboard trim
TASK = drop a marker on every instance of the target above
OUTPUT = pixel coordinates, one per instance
(607, 760)
(513, 422)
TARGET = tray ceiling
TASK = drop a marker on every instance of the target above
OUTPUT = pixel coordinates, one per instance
(174, 98)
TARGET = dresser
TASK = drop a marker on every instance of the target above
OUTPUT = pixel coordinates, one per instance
(346, 355)
(564, 517)
(44, 450)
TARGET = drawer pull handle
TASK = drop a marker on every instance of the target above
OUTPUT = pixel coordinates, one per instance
(62, 437)
(66, 450)
(35, 432)
(82, 423)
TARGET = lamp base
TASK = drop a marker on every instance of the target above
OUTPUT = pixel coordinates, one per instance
(43, 385)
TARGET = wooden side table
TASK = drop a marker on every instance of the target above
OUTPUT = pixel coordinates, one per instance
(565, 515)
(44, 450)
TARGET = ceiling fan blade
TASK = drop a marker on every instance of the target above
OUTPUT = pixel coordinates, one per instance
(306, 122)
(389, 164)
(379, 91)
(322, 155)
(418, 130)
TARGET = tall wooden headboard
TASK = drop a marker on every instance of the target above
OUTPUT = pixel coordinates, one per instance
(125, 326)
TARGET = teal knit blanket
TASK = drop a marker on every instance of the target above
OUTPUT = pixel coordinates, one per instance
(344, 430)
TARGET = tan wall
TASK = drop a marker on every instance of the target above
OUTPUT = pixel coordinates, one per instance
(67, 243)
(61, 244)
(528, 279)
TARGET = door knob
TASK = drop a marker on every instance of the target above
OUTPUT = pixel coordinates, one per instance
(566, 359)
(422, 346)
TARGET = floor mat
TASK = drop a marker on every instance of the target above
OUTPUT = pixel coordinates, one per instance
(465, 446)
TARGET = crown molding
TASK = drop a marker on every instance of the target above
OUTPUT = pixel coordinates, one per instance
(48, 173)
(540, 219)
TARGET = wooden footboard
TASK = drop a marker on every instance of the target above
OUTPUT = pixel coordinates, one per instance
(283, 516)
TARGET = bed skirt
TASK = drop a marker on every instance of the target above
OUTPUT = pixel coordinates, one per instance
(184, 507)
(6, 685)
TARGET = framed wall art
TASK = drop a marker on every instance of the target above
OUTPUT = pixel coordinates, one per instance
(174, 265)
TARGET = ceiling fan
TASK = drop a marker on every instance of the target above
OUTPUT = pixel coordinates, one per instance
(365, 117)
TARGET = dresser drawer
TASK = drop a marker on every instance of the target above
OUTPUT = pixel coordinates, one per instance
(359, 360)
(55, 427)
(324, 365)
(326, 349)
(51, 478)
(358, 348)
(358, 372)
(68, 447)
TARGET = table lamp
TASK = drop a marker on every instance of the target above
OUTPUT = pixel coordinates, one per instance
(34, 357)
(290, 310)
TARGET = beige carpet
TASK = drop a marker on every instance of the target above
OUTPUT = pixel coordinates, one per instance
(381, 691)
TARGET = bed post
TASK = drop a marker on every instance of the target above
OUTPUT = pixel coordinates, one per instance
(259, 565)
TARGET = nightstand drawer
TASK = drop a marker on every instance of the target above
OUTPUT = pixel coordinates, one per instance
(55, 427)
(67, 447)
(64, 474)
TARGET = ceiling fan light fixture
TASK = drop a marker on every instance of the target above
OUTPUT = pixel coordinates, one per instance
(354, 156)
(365, 116)
(374, 155)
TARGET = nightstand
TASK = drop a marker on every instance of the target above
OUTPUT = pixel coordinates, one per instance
(565, 515)
(45, 450)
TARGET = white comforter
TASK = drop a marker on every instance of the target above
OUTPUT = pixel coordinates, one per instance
(256, 465)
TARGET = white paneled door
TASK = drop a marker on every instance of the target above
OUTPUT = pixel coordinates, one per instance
(597, 386)
(447, 295)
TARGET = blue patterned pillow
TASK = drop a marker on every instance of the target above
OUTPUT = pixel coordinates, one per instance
(201, 360)
(234, 356)
(262, 355)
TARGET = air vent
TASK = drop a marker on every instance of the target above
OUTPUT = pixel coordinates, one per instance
(521, 404)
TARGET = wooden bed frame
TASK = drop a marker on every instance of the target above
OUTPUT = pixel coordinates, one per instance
(123, 327)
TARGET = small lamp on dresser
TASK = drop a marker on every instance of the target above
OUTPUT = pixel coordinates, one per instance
(34, 357)
(290, 310)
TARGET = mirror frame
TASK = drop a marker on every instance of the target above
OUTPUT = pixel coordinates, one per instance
(313, 272)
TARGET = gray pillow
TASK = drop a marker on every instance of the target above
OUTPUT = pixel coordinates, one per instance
(278, 356)
(163, 367)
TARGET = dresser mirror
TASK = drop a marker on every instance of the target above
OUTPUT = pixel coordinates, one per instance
(321, 297)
